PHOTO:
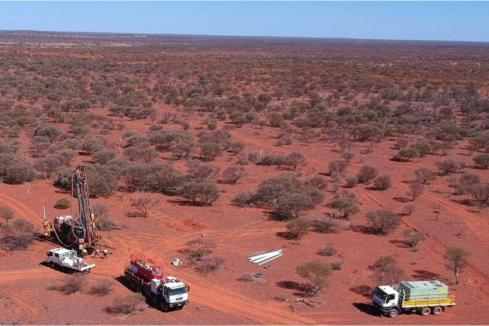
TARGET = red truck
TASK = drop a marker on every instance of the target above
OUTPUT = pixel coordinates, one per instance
(164, 292)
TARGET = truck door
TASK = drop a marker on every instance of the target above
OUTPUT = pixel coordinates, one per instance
(390, 301)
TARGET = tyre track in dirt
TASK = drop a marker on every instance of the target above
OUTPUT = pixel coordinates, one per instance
(21, 208)
(208, 293)
(479, 227)
(436, 244)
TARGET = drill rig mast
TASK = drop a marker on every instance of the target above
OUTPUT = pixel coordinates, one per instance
(77, 233)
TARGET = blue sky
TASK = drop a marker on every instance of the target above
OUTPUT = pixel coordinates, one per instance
(461, 21)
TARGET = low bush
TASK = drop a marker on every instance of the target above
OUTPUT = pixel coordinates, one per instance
(328, 250)
(297, 228)
(366, 174)
(71, 284)
(126, 304)
(383, 221)
(17, 235)
(482, 161)
(245, 199)
(101, 288)
(62, 203)
(199, 192)
(383, 182)
(233, 173)
(209, 264)
(324, 225)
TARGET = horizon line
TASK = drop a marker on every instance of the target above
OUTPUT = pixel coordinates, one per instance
(246, 36)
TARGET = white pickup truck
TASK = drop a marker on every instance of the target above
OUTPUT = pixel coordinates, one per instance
(66, 259)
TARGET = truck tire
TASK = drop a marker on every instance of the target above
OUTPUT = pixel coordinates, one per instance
(425, 311)
(437, 310)
(164, 307)
(154, 301)
(393, 313)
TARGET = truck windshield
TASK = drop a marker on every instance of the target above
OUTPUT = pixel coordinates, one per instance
(178, 291)
(381, 294)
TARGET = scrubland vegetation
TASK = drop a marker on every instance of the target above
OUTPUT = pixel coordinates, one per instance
(326, 140)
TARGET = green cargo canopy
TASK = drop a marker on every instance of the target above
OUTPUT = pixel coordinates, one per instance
(422, 289)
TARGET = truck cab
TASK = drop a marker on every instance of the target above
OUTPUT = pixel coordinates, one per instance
(174, 292)
(386, 298)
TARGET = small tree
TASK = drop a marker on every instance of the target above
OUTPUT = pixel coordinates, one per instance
(449, 166)
(292, 204)
(209, 151)
(366, 174)
(480, 194)
(244, 199)
(482, 161)
(346, 204)
(327, 250)
(144, 205)
(387, 271)
(6, 213)
(316, 273)
(17, 235)
(297, 228)
(336, 168)
(294, 159)
(416, 189)
(324, 225)
(103, 222)
(201, 171)
(466, 183)
(425, 175)
(199, 248)
(383, 221)
(233, 173)
(457, 258)
(199, 193)
(383, 182)
(413, 237)
(318, 182)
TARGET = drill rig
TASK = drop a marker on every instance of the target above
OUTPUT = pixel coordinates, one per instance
(76, 233)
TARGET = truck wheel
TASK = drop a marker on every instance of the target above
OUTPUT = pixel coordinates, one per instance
(154, 301)
(393, 313)
(437, 310)
(164, 307)
(425, 311)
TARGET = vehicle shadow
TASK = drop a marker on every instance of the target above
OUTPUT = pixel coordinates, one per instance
(367, 308)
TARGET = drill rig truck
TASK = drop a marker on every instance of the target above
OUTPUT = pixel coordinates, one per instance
(77, 233)
(164, 292)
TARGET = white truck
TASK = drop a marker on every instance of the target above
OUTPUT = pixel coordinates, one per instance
(67, 260)
(424, 297)
(164, 292)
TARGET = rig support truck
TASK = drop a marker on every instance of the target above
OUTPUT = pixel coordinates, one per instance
(424, 297)
(164, 292)
(66, 259)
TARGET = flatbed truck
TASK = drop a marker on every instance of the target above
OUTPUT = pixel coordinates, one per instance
(424, 297)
